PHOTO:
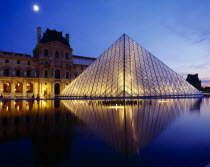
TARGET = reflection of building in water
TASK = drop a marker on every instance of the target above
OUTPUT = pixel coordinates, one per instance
(197, 105)
(128, 128)
(48, 123)
(22, 118)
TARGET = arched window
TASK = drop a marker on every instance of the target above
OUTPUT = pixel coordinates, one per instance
(57, 74)
(7, 87)
(19, 87)
(56, 54)
(45, 52)
(57, 89)
(67, 56)
(29, 88)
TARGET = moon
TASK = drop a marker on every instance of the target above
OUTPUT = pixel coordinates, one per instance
(36, 8)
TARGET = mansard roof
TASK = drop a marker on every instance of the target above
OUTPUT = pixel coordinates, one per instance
(53, 35)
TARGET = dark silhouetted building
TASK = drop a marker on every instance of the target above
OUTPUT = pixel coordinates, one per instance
(194, 81)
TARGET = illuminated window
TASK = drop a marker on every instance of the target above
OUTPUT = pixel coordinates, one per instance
(19, 87)
(29, 88)
(7, 87)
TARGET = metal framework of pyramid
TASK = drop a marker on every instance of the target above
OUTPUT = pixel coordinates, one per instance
(126, 69)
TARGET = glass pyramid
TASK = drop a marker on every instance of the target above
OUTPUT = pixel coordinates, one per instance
(126, 69)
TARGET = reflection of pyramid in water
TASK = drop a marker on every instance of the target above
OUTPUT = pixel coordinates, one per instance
(128, 128)
(126, 69)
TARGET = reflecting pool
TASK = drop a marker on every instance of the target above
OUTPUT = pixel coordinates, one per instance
(143, 132)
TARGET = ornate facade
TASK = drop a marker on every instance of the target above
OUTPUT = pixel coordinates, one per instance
(51, 68)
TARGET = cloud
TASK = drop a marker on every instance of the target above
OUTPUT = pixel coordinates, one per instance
(188, 21)
(193, 35)
(205, 80)
(195, 67)
(200, 66)
(201, 40)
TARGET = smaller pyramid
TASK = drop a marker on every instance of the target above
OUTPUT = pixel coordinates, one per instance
(126, 69)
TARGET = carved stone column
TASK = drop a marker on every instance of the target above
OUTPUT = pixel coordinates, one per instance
(1, 87)
(24, 88)
(13, 89)
(52, 88)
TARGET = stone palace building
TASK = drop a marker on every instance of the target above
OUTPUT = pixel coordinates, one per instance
(51, 68)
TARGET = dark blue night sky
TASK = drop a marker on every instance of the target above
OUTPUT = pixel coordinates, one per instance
(175, 31)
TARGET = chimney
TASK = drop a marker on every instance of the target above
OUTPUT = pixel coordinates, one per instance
(67, 37)
(39, 32)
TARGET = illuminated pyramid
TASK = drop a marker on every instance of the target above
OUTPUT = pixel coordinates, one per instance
(126, 69)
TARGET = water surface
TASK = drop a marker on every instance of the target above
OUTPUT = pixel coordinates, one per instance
(149, 132)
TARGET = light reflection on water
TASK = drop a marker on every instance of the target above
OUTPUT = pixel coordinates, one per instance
(59, 132)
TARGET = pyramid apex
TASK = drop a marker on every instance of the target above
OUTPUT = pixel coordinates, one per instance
(125, 35)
